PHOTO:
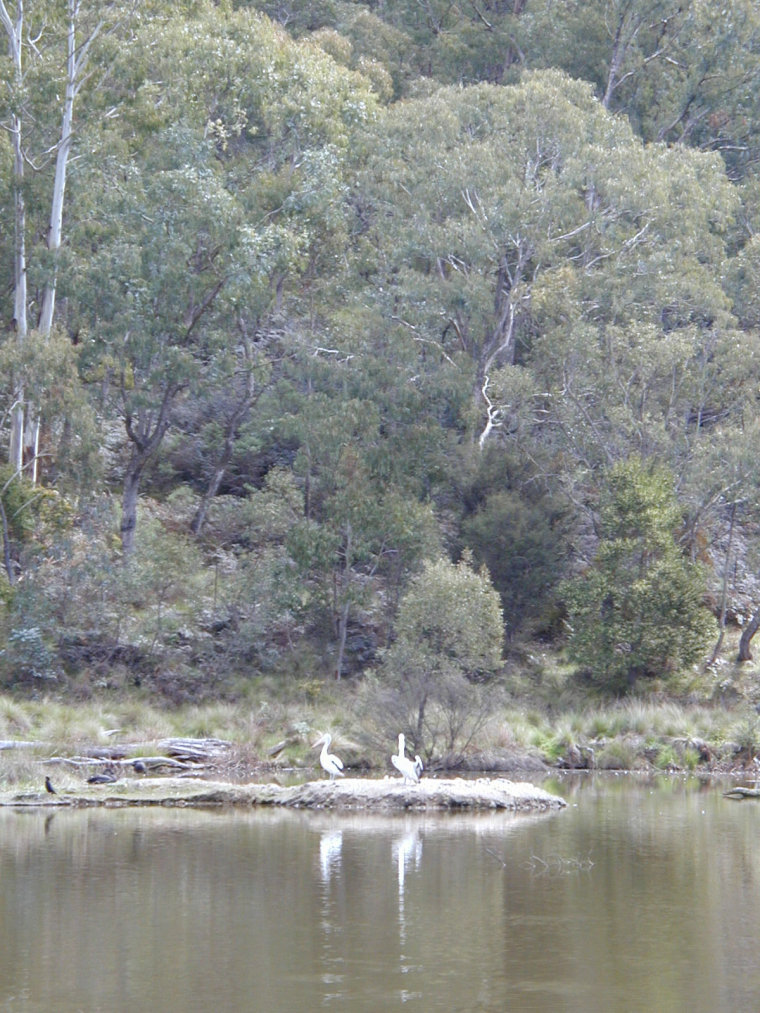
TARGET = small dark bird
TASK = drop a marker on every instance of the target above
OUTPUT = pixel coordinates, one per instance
(139, 767)
(49, 787)
(107, 777)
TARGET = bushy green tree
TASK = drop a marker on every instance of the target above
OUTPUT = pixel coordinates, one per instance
(638, 611)
(451, 611)
(432, 685)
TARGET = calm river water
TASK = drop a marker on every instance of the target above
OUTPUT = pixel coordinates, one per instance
(639, 896)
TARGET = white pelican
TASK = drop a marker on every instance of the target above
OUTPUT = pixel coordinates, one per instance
(330, 762)
(418, 766)
(406, 767)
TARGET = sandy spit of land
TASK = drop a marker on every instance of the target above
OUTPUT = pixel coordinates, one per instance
(351, 793)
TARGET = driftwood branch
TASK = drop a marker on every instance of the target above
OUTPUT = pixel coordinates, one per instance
(179, 754)
(282, 744)
(195, 750)
(149, 762)
(740, 792)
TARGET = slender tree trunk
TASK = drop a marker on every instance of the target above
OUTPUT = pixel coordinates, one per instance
(233, 424)
(14, 31)
(20, 300)
(199, 518)
(343, 609)
(342, 634)
(76, 57)
(724, 594)
(129, 499)
(745, 654)
(146, 435)
(420, 721)
(55, 227)
(76, 60)
(7, 561)
(16, 451)
(618, 51)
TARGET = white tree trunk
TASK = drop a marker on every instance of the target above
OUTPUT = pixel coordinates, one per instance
(76, 58)
(14, 31)
(16, 452)
(25, 429)
(55, 227)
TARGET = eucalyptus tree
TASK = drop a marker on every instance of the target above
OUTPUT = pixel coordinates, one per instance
(46, 70)
(153, 293)
(459, 222)
(525, 227)
(364, 529)
(523, 240)
(683, 71)
(221, 196)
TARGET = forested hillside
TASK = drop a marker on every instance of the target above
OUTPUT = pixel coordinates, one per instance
(377, 340)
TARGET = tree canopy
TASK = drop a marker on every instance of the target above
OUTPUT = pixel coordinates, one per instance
(298, 298)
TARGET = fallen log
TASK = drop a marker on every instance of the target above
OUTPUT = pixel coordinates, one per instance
(195, 750)
(190, 750)
(105, 752)
(21, 744)
(739, 792)
(152, 762)
(282, 744)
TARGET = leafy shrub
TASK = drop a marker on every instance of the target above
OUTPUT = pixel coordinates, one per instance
(27, 657)
(449, 635)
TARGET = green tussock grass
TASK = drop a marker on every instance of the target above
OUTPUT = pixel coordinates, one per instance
(253, 727)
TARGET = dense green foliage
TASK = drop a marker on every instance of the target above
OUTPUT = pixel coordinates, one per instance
(343, 300)
(638, 610)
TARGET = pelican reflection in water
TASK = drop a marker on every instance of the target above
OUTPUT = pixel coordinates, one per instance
(331, 763)
(330, 853)
(407, 851)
